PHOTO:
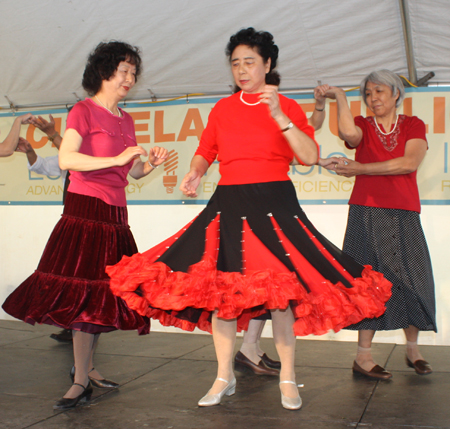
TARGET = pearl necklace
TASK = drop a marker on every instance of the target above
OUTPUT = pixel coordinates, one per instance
(393, 129)
(120, 114)
(248, 104)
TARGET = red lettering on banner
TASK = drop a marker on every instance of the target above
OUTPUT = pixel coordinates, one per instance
(407, 106)
(439, 115)
(141, 116)
(160, 137)
(308, 107)
(192, 116)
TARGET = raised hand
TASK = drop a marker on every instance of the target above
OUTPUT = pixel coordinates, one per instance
(333, 91)
(157, 155)
(26, 119)
(320, 92)
(270, 97)
(48, 127)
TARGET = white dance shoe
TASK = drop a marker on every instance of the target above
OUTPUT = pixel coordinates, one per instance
(290, 403)
(210, 400)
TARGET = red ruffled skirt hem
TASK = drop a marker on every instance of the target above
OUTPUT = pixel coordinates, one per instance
(240, 262)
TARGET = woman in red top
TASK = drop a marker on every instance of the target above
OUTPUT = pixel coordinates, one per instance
(384, 228)
(70, 288)
(252, 249)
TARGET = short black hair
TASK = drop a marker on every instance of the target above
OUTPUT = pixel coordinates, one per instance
(264, 44)
(103, 62)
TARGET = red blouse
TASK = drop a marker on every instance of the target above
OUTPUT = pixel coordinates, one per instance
(398, 191)
(247, 142)
(104, 135)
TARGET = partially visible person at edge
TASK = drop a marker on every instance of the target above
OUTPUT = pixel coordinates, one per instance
(384, 228)
(70, 288)
(9, 145)
(251, 358)
(252, 248)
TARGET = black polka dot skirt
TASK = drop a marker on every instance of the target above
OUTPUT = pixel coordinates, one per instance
(393, 243)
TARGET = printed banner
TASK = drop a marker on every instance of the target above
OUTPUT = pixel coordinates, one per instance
(178, 125)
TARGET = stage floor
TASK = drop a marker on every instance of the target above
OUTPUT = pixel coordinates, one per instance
(162, 377)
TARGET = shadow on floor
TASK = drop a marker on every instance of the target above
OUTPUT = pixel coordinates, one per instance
(162, 377)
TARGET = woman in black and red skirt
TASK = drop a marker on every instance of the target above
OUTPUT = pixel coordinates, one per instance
(70, 288)
(252, 249)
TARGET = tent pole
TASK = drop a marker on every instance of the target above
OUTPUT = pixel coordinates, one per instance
(406, 24)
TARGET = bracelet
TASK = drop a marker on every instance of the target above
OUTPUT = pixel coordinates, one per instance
(53, 137)
(319, 110)
(289, 126)
(153, 166)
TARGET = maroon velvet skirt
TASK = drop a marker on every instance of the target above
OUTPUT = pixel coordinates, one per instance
(70, 288)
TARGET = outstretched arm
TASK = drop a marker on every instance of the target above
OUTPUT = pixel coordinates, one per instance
(9, 145)
(415, 151)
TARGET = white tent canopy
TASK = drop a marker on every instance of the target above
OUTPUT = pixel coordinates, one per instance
(45, 43)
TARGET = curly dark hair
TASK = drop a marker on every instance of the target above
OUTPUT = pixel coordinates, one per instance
(265, 46)
(103, 62)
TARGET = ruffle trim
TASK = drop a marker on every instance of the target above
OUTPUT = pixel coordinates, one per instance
(154, 290)
(72, 302)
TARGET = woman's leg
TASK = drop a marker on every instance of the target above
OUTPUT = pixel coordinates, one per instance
(250, 344)
(224, 337)
(284, 337)
(412, 349)
(82, 349)
(92, 370)
(364, 355)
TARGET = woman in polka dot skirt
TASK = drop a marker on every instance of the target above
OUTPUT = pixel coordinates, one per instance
(384, 228)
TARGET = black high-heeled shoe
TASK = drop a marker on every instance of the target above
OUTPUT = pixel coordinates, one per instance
(101, 384)
(68, 403)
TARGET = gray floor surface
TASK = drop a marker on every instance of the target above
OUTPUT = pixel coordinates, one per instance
(162, 377)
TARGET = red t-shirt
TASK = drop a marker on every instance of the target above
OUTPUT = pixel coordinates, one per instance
(104, 135)
(398, 191)
(247, 142)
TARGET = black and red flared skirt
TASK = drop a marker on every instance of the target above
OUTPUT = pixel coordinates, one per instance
(70, 288)
(252, 249)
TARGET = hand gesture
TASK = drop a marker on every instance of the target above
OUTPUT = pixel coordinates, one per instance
(270, 97)
(333, 92)
(347, 167)
(129, 154)
(320, 91)
(25, 119)
(190, 183)
(328, 163)
(157, 155)
(48, 127)
(24, 146)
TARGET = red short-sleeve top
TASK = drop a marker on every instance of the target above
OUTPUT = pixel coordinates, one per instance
(247, 142)
(389, 191)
